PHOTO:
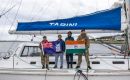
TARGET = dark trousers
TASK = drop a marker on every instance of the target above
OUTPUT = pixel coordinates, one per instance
(69, 60)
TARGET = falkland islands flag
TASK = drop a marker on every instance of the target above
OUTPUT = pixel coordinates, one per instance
(49, 48)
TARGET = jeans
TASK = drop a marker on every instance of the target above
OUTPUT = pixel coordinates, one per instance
(57, 55)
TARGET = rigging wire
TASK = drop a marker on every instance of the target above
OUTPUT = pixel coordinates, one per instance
(4, 14)
(124, 5)
(101, 42)
(41, 11)
(5, 6)
(126, 30)
(107, 46)
(14, 22)
(15, 15)
(45, 8)
(7, 11)
(36, 14)
(7, 18)
(4, 10)
(33, 7)
(13, 43)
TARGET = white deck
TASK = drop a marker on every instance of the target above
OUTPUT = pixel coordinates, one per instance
(64, 74)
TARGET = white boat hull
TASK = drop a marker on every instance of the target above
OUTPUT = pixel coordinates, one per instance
(39, 74)
(21, 67)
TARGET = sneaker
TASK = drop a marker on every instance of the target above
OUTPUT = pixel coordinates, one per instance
(61, 67)
(43, 66)
(89, 67)
(77, 67)
(55, 66)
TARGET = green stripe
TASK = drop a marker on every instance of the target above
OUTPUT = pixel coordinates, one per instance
(75, 51)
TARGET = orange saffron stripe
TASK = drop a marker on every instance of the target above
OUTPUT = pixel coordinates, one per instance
(68, 42)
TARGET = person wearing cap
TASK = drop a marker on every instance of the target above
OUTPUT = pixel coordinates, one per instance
(69, 56)
(83, 36)
(45, 56)
(60, 49)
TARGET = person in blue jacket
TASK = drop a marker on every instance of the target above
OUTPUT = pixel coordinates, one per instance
(60, 49)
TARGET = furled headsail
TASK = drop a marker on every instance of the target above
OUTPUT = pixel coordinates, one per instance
(101, 20)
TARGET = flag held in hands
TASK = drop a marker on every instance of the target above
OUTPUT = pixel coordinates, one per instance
(51, 47)
(75, 46)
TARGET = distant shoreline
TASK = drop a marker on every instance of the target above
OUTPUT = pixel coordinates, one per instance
(110, 42)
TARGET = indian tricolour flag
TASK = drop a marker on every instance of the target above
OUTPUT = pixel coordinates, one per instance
(75, 46)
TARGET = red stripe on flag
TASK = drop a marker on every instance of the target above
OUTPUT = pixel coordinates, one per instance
(47, 45)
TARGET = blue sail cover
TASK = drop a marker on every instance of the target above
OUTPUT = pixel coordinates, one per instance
(101, 20)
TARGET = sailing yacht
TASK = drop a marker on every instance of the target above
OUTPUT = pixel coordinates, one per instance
(24, 62)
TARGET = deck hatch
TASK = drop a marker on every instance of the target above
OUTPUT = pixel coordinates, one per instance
(52, 62)
(118, 62)
(32, 62)
(95, 62)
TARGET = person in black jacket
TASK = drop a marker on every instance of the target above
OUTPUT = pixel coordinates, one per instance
(69, 56)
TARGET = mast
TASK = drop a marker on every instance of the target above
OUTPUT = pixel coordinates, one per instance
(127, 2)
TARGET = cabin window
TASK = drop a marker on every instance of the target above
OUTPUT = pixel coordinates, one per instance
(31, 51)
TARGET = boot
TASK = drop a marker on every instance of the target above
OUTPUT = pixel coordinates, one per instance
(61, 67)
(77, 67)
(43, 66)
(68, 66)
(89, 67)
(47, 67)
(71, 65)
(55, 66)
